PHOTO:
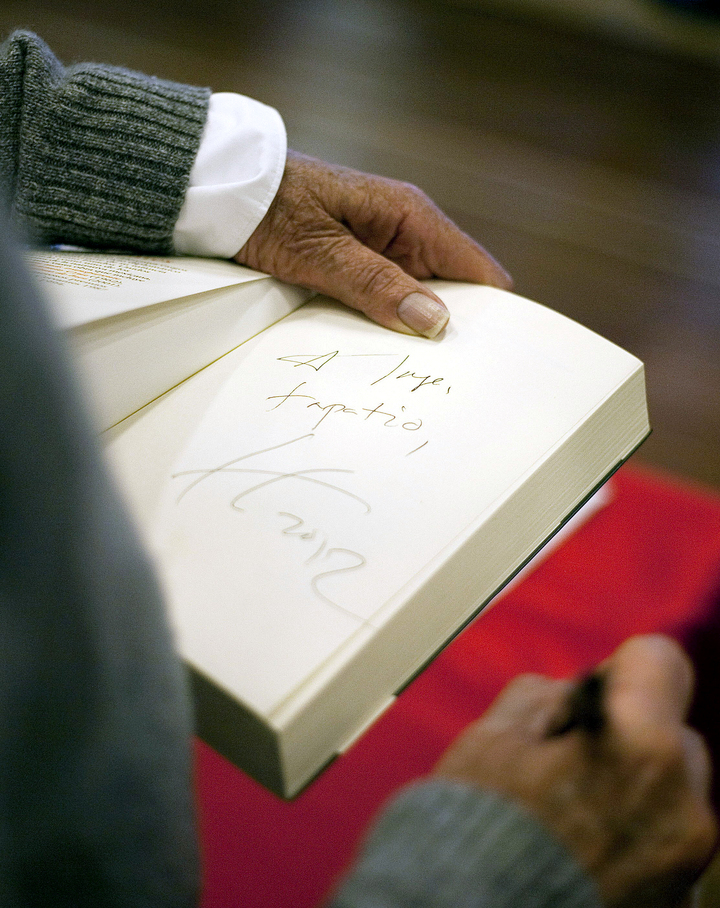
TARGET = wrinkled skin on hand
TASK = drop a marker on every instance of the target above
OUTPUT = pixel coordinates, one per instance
(366, 241)
(631, 802)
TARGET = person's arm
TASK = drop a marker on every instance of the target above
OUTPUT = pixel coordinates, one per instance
(104, 157)
(442, 844)
(516, 816)
(94, 155)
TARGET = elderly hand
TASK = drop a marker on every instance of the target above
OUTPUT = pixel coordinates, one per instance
(630, 802)
(366, 241)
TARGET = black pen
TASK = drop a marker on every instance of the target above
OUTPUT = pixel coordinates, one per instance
(584, 709)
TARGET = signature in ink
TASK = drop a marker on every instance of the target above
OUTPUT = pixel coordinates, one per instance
(335, 559)
(231, 466)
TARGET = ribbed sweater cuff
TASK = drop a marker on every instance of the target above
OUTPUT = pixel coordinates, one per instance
(446, 845)
(102, 155)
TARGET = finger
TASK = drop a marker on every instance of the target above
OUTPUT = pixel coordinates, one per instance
(401, 222)
(529, 703)
(349, 271)
(452, 255)
(697, 762)
(516, 720)
(650, 680)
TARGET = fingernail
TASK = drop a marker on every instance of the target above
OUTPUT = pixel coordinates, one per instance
(423, 314)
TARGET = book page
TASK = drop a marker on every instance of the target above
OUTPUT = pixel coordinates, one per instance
(340, 459)
(87, 286)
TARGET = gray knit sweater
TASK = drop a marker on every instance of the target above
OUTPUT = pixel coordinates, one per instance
(94, 155)
(445, 845)
(94, 799)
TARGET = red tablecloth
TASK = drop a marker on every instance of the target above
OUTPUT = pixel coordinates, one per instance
(649, 561)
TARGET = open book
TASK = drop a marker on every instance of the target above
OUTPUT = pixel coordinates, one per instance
(330, 502)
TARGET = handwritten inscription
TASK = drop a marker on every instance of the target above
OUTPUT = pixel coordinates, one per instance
(289, 497)
(336, 408)
(367, 375)
(424, 380)
(332, 554)
(316, 361)
(333, 559)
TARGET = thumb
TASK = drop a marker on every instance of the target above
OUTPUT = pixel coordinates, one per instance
(372, 284)
(651, 680)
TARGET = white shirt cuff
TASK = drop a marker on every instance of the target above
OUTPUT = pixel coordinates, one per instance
(234, 179)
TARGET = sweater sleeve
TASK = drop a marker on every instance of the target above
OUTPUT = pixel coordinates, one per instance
(446, 845)
(94, 155)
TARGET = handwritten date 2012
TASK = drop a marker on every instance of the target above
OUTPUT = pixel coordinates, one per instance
(348, 559)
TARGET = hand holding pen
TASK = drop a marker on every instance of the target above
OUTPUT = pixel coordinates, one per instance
(608, 765)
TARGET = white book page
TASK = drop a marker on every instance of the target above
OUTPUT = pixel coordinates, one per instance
(83, 287)
(340, 458)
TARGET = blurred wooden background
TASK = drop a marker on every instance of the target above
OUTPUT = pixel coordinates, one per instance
(586, 159)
